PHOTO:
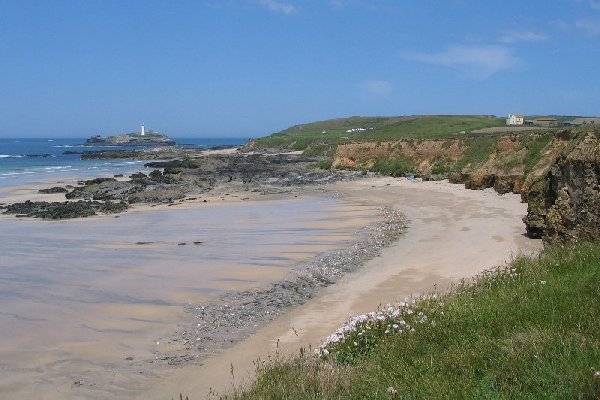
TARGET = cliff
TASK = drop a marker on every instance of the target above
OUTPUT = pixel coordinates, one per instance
(564, 203)
(503, 162)
(556, 173)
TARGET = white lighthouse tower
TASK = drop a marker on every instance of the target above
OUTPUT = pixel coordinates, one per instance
(143, 132)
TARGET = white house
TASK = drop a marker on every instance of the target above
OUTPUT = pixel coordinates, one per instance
(514, 119)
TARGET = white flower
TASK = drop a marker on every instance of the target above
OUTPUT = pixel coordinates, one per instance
(542, 282)
(392, 390)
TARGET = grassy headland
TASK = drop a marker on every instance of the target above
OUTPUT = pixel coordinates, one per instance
(429, 146)
(530, 330)
(322, 138)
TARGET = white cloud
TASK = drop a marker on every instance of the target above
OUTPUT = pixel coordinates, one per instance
(278, 6)
(522, 36)
(377, 88)
(479, 61)
(589, 26)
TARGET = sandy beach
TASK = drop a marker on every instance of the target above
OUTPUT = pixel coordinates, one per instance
(453, 233)
(85, 301)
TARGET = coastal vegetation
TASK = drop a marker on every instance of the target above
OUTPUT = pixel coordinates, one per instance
(433, 147)
(321, 138)
(527, 330)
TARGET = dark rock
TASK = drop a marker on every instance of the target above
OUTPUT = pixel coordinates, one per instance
(185, 163)
(138, 175)
(508, 183)
(64, 210)
(96, 181)
(55, 189)
(105, 189)
(110, 154)
(45, 155)
(132, 139)
(564, 205)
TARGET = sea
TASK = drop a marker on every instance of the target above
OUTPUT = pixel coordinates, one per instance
(25, 161)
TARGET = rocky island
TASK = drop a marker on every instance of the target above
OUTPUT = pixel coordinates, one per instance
(149, 138)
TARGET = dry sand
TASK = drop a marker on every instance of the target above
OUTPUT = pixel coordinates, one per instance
(453, 233)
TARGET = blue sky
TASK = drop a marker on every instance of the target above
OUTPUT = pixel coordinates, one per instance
(247, 68)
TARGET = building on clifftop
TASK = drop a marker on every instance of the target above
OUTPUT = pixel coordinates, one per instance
(514, 119)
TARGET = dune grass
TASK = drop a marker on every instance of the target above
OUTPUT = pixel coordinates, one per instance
(530, 330)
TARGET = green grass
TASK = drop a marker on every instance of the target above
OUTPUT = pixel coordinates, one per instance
(434, 126)
(536, 146)
(478, 151)
(321, 138)
(397, 166)
(529, 331)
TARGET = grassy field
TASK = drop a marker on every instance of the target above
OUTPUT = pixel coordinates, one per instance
(527, 331)
(321, 138)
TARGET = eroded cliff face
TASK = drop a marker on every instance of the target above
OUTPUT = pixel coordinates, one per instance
(501, 162)
(557, 174)
(564, 203)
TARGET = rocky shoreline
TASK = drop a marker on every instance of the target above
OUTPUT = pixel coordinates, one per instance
(184, 177)
(235, 316)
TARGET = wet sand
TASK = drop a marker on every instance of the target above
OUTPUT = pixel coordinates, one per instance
(86, 303)
(453, 233)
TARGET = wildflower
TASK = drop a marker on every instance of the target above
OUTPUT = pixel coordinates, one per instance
(356, 344)
(542, 282)
(395, 326)
(392, 390)
(596, 376)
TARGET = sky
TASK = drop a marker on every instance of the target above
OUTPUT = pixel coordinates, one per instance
(248, 68)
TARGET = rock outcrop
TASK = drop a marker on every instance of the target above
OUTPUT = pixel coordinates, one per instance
(131, 139)
(564, 204)
(64, 210)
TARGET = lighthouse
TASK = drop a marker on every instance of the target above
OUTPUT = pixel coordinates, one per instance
(143, 133)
